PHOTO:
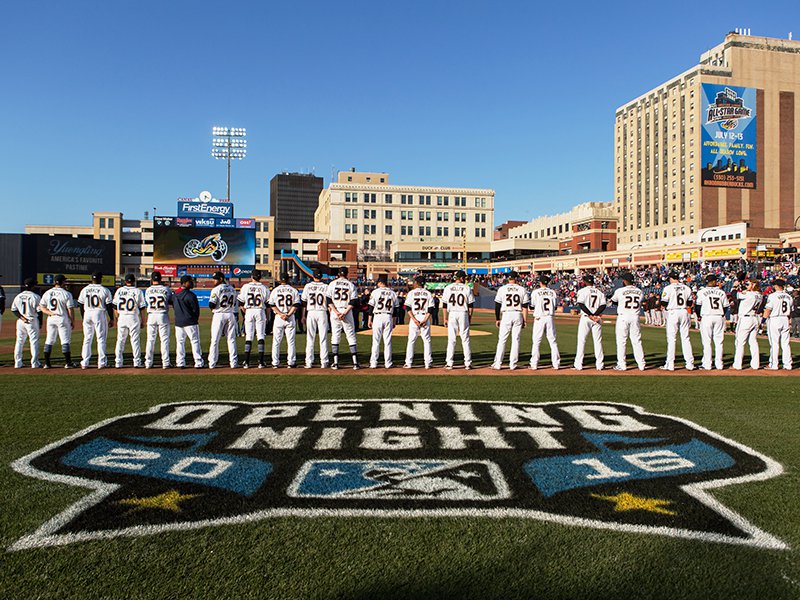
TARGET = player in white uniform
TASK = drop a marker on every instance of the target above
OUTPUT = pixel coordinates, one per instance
(511, 312)
(157, 297)
(543, 303)
(459, 303)
(29, 318)
(342, 299)
(129, 305)
(97, 308)
(315, 301)
(592, 303)
(223, 305)
(628, 299)
(59, 305)
(777, 311)
(285, 301)
(710, 308)
(676, 299)
(750, 304)
(420, 309)
(382, 303)
(253, 300)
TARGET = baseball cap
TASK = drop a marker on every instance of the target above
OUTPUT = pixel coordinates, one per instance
(130, 278)
(59, 279)
(317, 273)
(626, 276)
(711, 278)
(588, 279)
(256, 274)
(674, 274)
(29, 283)
(460, 274)
(544, 279)
(186, 279)
(779, 282)
(383, 278)
(218, 276)
(156, 276)
(343, 271)
(513, 275)
(97, 276)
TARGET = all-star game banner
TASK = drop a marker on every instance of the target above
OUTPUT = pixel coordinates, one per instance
(604, 465)
(728, 138)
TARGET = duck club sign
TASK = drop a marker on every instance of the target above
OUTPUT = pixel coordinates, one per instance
(604, 465)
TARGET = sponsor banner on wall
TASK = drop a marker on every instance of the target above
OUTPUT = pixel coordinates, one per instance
(728, 151)
(193, 208)
(166, 270)
(76, 258)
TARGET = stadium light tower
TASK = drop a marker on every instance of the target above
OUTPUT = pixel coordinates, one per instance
(229, 143)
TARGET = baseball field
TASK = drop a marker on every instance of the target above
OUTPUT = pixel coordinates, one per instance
(403, 483)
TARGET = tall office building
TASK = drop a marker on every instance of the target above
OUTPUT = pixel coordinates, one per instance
(713, 147)
(293, 198)
(404, 221)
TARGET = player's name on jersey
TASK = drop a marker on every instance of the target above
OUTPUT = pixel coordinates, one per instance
(325, 426)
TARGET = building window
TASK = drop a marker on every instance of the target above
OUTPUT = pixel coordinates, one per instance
(438, 232)
(258, 243)
(387, 198)
(388, 229)
(421, 231)
(446, 232)
(387, 214)
(102, 223)
(111, 221)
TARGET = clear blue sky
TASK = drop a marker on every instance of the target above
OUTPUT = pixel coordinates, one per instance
(109, 105)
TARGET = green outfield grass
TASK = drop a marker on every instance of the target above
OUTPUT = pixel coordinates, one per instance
(293, 557)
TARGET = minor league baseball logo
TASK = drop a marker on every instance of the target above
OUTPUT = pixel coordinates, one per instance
(212, 245)
(591, 464)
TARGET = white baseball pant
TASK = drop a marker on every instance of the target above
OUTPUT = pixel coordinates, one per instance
(382, 326)
(30, 332)
(778, 334)
(58, 327)
(128, 325)
(544, 326)
(280, 328)
(157, 326)
(317, 326)
(346, 324)
(255, 323)
(678, 323)
(223, 324)
(510, 324)
(628, 327)
(94, 324)
(458, 326)
(192, 333)
(585, 327)
(746, 333)
(424, 332)
(712, 328)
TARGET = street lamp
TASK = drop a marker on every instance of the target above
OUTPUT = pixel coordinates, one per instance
(228, 143)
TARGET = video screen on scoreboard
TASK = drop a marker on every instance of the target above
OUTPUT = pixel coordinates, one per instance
(184, 244)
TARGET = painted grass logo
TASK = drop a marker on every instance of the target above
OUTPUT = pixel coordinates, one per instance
(604, 465)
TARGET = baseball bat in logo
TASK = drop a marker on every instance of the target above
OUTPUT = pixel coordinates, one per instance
(592, 464)
(212, 245)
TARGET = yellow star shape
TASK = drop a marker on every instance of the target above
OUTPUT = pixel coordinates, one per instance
(167, 501)
(625, 501)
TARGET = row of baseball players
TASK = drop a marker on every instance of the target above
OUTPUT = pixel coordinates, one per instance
(513, 303)
(328, 310)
